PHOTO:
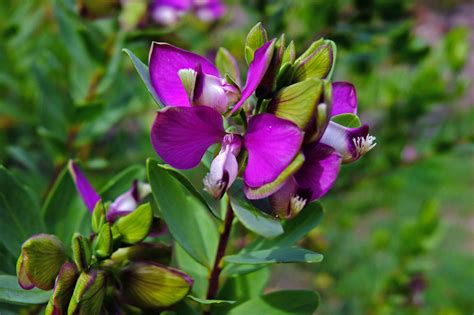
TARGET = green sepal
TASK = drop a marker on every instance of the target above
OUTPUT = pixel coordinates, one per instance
(188, 79)
(153, 252)
(289, 54)
(255, 39)
(316, 62)
(81, 251)
(298, 102)
(149, 285)
(136, 225)
(41, 259)
(63, 289)
(88, 294)
(227, 65)
(270, 188)
(347, 120)
(104, 242)
(98, 216)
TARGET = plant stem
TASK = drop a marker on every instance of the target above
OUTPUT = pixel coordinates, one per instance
(223, 241)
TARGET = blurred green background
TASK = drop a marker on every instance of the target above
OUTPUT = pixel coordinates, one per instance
(398, 233)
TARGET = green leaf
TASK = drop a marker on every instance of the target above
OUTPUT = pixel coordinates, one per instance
(198, 272)
(297, 302)
(255, 39)
(347, 120)
(19, 212)
(209, 302)
(275, 256)
(11, 292)
(297, 102)
(136, 225)
(186, 216)
(227, 65)
(62, 211)
(142, 70)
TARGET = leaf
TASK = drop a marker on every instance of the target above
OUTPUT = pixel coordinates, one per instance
(186, 215)
(19, 212)
(251, 217)
(136, 225)
(297, 302)
(61, 212)
(142, 70)
(347, 120)
(11, 292)
(276, 256)
(209, 302)
(198, 272)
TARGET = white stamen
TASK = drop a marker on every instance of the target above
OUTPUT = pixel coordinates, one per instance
(364, 144)
(297, 203)
(214, 187)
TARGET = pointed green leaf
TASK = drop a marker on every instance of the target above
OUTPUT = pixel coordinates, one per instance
(81, 251)
(255, 39)
(148, 285)
(42, 258)
(275, 256)
(347, 120)
(186, 215)
(251, 217)
(11, 292)
(297, 102)
(144, 74)
(297, 302)
(135, 226)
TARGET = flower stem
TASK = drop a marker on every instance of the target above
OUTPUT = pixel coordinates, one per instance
(223, 241)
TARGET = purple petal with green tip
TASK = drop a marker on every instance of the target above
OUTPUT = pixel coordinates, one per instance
(319, 171)
(257, 69)
(85, 189)
(165, 62)
(344, 98)
(272, 144)
(181, 135)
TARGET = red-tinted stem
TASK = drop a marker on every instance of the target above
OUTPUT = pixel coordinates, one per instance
(223, 241)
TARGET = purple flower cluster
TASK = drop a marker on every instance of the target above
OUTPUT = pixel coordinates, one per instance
(169, 12)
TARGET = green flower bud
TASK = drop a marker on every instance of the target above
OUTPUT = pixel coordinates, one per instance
(65, 283)
(88, 295)
(104, 242)
(255, 39)
(98, 216)
(152, 252)
(150, 285)
(316, 62)
(41, 259)
(81, 251)
(136, 225)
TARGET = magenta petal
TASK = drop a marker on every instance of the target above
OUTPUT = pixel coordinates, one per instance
(344, 98)
(165, 62)
(319, 171)
(257, 69)
(272, 144)
(85, 189)
(210, 11)
(168, 12)
(181, 135)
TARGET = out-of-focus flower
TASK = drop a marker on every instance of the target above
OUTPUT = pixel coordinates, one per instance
(170, 12)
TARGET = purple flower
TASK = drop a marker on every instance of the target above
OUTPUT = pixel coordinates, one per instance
(323, 158)
(170, 12)
(121, 206)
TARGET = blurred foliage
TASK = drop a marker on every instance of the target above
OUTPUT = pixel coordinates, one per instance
(397, 234)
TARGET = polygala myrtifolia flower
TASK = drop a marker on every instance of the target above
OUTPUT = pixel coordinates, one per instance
(112, 270)
(169, 12)
(288, 141)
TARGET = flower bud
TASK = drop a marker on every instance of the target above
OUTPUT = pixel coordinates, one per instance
(63, 288)
(255, 39)
(316, 62)
(150, 285)
(41, 259)
(224, 167)
(98, 216)
(152, 252)
(81, 251)
(104, 241)
(88, 295)
(135, 226)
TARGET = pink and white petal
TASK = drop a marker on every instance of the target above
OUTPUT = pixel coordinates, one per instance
(272, 144)
(181, 135)
(124, 204)
(344, 98)
(319, 171)
(84, 188)
(257, 69)
(164, 63)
